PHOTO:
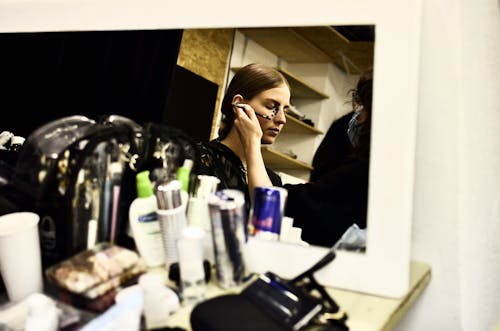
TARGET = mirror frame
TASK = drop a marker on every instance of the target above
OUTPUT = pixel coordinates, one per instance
(385, 267)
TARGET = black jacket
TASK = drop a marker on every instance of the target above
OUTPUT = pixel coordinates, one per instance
(334, 148)
(326, 208)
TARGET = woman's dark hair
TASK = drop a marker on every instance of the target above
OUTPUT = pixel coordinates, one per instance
(248, 81)
(362, 95)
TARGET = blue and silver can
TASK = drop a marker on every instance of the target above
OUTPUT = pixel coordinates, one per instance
(267, 212)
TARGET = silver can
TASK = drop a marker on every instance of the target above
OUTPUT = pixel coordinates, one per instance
(227, 216)
(172, 217)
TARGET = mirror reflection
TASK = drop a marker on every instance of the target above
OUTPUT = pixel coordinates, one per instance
(322, 151)
(179, 77)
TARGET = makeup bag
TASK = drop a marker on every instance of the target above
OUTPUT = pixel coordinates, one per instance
(78, 174)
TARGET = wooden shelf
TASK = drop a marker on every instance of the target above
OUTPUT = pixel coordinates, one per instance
(294, 125)
(277, 160)
(300, 89)
(314, 44)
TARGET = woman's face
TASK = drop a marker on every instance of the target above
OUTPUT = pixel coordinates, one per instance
(273, 103)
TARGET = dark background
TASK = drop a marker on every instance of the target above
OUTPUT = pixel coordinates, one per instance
(191, 103)
(49, 75)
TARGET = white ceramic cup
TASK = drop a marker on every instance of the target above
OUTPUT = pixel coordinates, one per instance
(20, 259)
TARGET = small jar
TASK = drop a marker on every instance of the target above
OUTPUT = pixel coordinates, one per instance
(43, 314)
(159, 300)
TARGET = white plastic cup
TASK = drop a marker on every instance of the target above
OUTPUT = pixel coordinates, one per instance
(20, 259)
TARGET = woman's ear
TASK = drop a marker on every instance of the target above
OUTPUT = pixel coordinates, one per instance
(238, 98)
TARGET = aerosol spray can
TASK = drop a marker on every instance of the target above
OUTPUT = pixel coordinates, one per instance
(227, 216)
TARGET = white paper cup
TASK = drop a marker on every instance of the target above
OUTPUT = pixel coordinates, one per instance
(20, 260)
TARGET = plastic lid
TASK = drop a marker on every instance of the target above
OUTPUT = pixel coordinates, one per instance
(144, 186)
(39, 303)
(205, 186)
(227, 199)
(188, 163)
(151, 280)
(168, 194)
(17, 222)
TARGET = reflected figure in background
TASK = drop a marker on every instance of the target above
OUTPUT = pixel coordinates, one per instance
(327, 207)
(338, 196)
(253, 113)
(334, 148)
(336, 145)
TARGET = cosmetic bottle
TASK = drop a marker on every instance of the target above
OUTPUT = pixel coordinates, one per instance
(172, 217)
(43, 315)
(159, 300)
(198, 213)
(144, 222)
(183, 174)
(192, 272)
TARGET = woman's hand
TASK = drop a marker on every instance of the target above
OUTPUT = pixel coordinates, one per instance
(250, 132)
(247, 126)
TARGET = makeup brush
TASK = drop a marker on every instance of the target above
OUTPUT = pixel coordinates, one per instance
(267, 117)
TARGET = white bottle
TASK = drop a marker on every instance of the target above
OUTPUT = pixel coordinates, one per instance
(43, 314)
(198, 213)
(159, 300)
(144, 223)
(190, 247)
(183, 174)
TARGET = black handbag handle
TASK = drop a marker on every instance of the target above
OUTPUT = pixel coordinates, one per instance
(308, 282)
(325, 260)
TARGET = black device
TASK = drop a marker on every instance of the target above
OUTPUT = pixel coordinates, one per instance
(269, 302)
(283, 302)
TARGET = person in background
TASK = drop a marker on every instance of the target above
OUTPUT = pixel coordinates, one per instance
(334, 148)
(336, 145)
(253, 113)
(327, 207)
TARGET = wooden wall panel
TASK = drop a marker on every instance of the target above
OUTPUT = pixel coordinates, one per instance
(206, 53)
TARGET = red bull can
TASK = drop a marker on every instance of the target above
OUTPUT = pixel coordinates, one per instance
(267, 212)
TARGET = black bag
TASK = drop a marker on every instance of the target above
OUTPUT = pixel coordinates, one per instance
(275, 304)
(79, 174)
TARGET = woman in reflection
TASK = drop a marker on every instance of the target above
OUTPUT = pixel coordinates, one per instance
(253, 113)
(327, 207)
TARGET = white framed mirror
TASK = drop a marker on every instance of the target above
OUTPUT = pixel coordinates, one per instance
(384, 268)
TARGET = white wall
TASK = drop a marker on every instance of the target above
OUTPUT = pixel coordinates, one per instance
(456, 226)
